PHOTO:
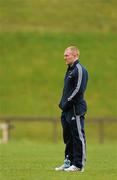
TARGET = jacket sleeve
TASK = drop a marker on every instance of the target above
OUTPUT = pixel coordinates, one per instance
(78, 80)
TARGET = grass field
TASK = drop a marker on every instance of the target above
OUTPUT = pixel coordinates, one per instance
(33, 36)
(31, 160)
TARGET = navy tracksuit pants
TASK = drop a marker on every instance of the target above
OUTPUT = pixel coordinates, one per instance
(74, 137)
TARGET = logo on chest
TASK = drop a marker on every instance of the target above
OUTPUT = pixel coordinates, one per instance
(70, 75)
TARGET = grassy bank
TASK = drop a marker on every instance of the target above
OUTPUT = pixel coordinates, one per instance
(33, 36)
(58, 15)
(32, 70)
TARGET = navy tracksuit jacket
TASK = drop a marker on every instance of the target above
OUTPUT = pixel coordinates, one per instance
(74, 108)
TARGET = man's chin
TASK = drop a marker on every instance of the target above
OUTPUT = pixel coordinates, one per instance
(67, 63)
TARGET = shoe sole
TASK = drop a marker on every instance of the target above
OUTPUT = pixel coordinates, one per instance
(74, 170)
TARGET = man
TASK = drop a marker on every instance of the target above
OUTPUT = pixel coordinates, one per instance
(73, 108)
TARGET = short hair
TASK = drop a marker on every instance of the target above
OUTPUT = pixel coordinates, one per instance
(74, 50)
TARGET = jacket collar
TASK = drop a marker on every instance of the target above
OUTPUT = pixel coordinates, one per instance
(74, 64)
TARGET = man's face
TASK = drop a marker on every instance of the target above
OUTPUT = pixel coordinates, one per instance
(68, 56)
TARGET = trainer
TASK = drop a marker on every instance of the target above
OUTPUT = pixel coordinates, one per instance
(73, 108)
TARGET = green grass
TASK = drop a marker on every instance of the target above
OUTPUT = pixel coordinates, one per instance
(32, 70)
(33, 36)
(27, 160)
(58, 15)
